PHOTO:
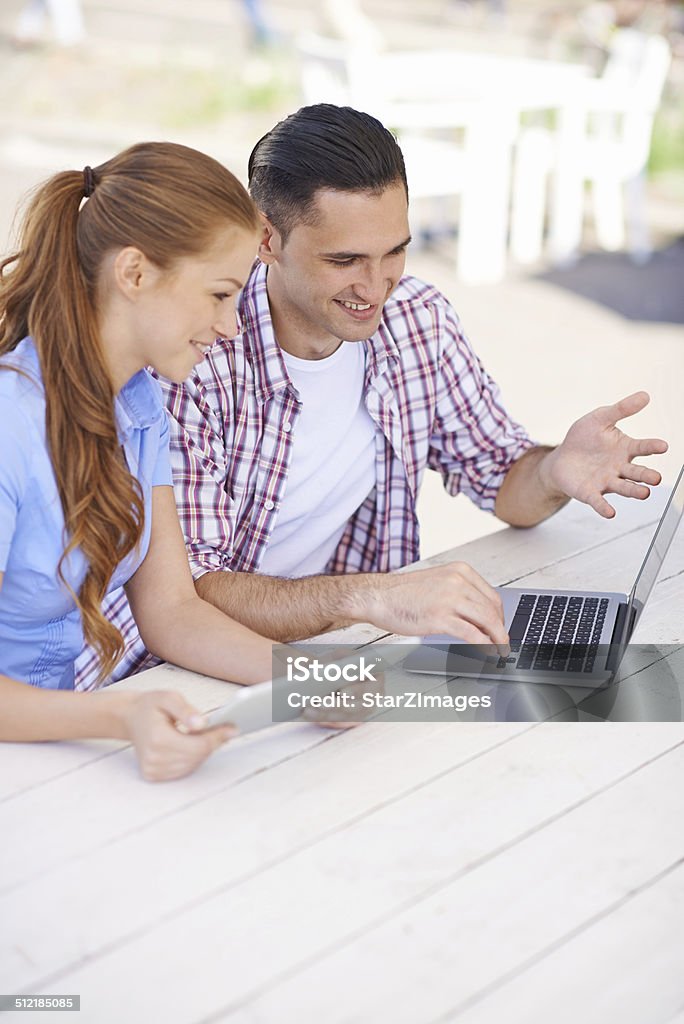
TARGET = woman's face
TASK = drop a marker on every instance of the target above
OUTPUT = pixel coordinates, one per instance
(183, 309)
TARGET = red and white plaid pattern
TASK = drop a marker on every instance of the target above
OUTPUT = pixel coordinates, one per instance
(233, 423)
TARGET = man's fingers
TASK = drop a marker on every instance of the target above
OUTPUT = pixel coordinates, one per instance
(473, 634)
(479, 609)
(628, 406)
(484, 619)
(628, 489)
(640, 474)
(639, 447)
(481, 584)
(600, 505)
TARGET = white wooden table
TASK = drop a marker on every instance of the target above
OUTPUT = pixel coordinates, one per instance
(475, 872)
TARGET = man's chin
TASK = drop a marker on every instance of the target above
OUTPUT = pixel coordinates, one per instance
(360, 332)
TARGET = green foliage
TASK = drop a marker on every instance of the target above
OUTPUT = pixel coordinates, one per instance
(667, 145)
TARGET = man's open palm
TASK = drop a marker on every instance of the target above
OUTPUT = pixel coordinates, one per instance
(596, 457)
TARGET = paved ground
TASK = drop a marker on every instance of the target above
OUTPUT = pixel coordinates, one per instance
(558, 342)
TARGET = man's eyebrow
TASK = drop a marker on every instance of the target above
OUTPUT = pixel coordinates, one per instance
(360, 255)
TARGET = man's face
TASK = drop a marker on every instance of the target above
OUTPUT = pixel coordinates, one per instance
(330, 280)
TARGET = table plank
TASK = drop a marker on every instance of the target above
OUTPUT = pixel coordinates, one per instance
(336, 890)
(627, 968)
(247, 827)
(498, 922)
(81, 813)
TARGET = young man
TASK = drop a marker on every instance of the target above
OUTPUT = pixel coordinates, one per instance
(299, 446)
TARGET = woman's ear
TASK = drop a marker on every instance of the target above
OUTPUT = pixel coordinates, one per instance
(133, 272)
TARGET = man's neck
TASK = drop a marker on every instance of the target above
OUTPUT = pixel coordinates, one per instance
(291, 334)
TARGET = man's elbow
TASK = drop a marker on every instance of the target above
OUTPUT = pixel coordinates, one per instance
(520, 518)
(519, 523)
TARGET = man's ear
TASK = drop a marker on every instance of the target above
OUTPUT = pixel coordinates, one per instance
(133, 272)
(270, 245)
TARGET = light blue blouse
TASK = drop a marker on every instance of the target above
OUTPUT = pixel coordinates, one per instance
(40, 626)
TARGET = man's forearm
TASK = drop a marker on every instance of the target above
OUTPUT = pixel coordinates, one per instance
(282, 609)
(527, 497)
(451, 599)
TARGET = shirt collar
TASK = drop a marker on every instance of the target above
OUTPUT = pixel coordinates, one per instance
(269, 366)
(136, 406)
(270, 371)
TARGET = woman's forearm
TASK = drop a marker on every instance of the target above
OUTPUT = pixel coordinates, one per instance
(197, 636)
(28, 713)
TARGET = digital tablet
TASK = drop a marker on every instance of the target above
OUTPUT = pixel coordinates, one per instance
(251, 707)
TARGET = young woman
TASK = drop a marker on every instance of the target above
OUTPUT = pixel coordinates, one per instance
(136, 262)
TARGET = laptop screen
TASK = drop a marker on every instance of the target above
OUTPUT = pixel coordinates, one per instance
(655, 555)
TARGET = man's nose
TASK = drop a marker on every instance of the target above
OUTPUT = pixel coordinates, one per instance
(371, 285)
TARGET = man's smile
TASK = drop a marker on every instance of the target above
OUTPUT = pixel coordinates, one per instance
(361, 311)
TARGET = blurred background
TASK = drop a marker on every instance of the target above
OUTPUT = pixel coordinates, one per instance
(544, 146)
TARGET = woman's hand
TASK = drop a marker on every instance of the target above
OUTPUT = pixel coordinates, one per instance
(163, 728)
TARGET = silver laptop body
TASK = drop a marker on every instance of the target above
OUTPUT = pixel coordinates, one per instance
(568, 637)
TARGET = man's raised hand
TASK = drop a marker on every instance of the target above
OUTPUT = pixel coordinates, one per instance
(596, 458)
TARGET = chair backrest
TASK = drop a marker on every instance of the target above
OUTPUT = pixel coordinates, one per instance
(323, 69)
(640, 63)
(637, 69)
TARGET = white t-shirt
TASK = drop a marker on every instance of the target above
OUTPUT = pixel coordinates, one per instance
(332, 468)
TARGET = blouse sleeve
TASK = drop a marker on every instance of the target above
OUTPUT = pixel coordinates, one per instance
(15, 454)
(162, 475)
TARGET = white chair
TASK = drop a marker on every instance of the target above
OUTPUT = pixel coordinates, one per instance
(611, 121)
(452, 149)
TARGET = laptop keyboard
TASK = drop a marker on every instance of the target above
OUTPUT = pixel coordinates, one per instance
(557, 634)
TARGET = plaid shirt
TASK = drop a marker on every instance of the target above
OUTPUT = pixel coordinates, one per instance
(232, 428)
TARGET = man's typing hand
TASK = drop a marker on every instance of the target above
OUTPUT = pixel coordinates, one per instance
(452, 599)
(596, 458)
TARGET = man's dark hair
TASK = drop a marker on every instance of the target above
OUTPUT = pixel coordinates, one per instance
(321, 147)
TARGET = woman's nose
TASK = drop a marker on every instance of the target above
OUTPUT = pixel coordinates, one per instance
(227, 324)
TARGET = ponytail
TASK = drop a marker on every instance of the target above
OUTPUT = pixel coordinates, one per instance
(46, 295)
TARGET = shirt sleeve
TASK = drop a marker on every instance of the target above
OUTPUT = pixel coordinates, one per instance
(200, 464)
(15, 442)
(162, 475)
(474, 440)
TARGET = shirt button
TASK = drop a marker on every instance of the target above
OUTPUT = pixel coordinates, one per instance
(287, 426)
(269, 506)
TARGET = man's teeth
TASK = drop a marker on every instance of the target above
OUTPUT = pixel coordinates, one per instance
(203, 348)
(356, 305)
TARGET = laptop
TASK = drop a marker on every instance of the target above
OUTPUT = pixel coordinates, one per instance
(567, 637)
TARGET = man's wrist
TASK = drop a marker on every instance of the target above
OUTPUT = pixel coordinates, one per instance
(358, 596)
(546, 474)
